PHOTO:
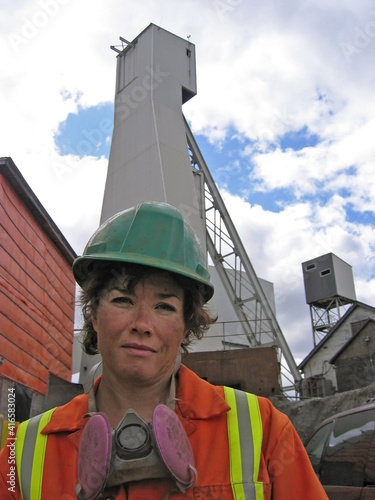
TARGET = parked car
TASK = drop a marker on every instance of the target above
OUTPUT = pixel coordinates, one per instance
(342, 452)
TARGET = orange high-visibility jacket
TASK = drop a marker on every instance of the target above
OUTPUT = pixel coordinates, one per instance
(284, 471)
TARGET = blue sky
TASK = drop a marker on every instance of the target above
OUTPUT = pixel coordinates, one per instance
(79, 136)
(284, 116)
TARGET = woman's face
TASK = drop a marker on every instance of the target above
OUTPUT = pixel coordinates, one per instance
(140, 332)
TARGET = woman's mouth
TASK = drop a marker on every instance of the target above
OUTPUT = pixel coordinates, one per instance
(138, 349)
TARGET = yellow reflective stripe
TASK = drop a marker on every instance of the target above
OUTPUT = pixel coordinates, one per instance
(20, 439)
(31, 445)
(245, 441)
(234, 438)
(39, 454)
(257, 428)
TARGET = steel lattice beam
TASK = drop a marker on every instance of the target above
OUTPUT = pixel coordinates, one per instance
(236, 271)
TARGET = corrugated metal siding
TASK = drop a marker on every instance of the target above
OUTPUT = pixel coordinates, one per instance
(36, 299)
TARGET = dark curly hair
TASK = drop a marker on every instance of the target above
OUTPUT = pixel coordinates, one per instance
(103, 274)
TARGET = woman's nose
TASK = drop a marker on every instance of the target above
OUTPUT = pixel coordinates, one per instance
(142, 321)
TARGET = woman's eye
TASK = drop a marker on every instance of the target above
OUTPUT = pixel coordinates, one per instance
(121, 300)
(166, 307)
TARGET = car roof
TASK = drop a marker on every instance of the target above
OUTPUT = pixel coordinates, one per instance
(368, 405)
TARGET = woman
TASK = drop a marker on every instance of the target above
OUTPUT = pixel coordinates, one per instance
(150, 428)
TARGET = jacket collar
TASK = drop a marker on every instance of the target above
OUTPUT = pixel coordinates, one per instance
(197, 399)
(68, 418)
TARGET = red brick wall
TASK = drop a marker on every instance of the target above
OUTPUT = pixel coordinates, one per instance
(36, 299)
(253, 370)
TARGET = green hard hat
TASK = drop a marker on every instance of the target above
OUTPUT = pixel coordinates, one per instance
(151, 234)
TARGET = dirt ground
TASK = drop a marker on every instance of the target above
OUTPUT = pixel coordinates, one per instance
(306, 414)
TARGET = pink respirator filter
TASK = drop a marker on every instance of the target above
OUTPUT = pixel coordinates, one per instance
(173, 446)
(94, 458)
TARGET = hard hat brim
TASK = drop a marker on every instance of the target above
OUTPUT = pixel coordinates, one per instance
(82, 265)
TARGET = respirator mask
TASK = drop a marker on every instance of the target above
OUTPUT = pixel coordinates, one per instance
(134, 450)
